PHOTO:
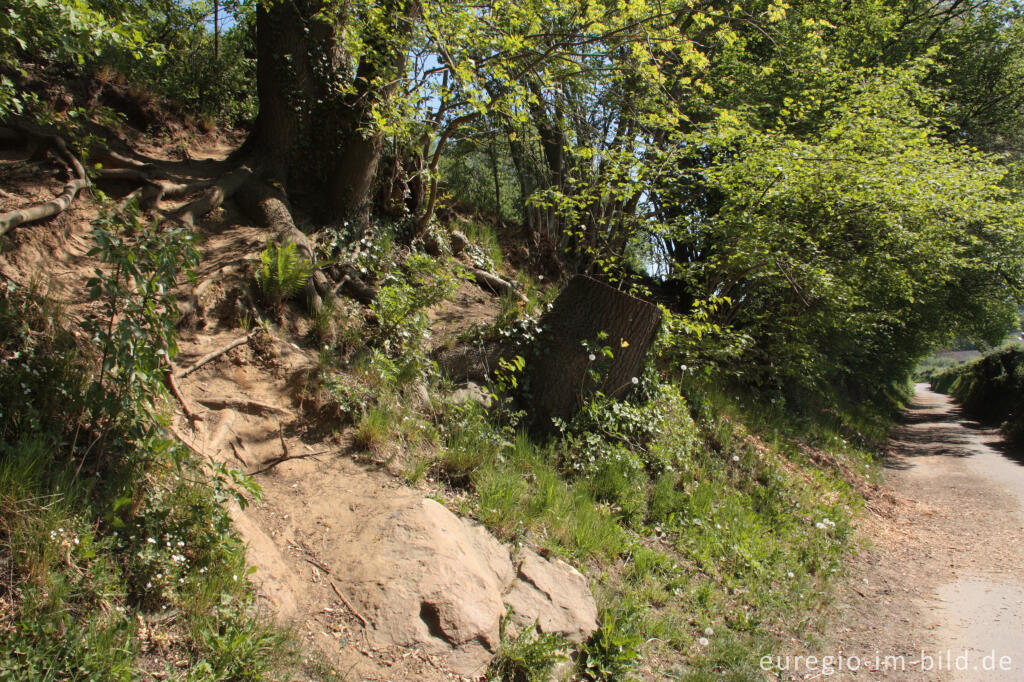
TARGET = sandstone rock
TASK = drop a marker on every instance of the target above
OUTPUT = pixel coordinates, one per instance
(274, 579)
(471, 392)
(428, 579)
(554, 595)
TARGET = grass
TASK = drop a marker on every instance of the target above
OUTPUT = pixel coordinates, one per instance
(116, 552)
(734, 534)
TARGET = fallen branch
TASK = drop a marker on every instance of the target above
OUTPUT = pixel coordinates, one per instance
(217, 353)
(234, 451)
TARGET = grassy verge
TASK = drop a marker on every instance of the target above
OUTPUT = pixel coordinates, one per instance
(709, 529)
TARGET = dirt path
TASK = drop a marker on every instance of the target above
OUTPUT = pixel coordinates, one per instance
(940, 593)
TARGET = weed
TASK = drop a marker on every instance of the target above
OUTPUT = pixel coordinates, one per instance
(612, 652)
(529, 656)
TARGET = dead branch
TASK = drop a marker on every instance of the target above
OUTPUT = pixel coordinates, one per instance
(217, 353)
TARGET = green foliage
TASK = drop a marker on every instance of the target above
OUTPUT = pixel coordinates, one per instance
(282, 273)
(990, 388)
(614, 650)
(136, 334)
(60, 30)
(528, 656)
(106, 524)
(928, 368)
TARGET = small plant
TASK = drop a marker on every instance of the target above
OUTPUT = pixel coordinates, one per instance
(282, 273)
(612, 652)
(529, 656)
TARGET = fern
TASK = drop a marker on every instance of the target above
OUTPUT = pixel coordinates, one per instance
(282, 273)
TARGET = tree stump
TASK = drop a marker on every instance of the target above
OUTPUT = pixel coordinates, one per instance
(558, 372)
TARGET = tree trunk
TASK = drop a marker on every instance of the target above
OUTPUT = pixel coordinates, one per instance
(560, 373)
(315, 135)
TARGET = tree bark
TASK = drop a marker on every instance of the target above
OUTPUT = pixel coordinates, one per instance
(316, 135)
(559, 372)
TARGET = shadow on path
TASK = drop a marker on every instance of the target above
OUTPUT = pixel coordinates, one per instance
(934, 425)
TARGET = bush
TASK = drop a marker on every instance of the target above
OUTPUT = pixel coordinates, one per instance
(108, 526)
(990, 388)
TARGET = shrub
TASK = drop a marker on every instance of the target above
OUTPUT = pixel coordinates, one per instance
(105, 522)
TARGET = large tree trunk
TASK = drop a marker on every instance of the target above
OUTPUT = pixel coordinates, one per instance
(319, 139)
(560, 373)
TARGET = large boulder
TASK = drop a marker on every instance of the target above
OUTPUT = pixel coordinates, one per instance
(554, 595)
(425, 578)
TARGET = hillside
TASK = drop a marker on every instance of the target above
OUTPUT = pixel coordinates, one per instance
(345, 438)
(413, 341)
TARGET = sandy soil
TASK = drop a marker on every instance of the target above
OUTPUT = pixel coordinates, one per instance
(939, 595)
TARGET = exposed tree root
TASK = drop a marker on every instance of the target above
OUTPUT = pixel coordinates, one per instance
(217, 353)
(241, 405)
(268, 205)
(172, 386)
(221, 432)
(154, 188)
(495, 284)
(57, 205)
(223, 188)
(191, 311)
(109, 157)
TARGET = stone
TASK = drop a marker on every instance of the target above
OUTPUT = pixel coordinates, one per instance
(458, 241)
(472, 392)
(554, 595)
